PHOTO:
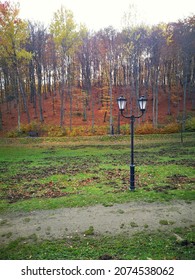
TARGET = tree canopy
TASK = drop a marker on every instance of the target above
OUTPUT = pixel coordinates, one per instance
(35, 61)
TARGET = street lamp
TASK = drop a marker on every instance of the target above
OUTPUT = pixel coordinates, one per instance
(122, 101)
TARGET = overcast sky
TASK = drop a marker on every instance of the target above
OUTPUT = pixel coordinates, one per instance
(97, 14)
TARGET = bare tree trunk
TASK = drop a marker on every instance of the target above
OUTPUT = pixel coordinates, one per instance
(155, 98)
(70, 96)
(24, 98)
(39, 92)
(93, 109)
(184, 104)
(62, 106)
(1, 120)
(110, 93)
(62, 93)
(156, 93)
(169, 99)
(18, 110)
(33, 87)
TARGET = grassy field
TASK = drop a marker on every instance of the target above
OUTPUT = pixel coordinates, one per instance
(40, 174)
(49, 173)
(142, 246)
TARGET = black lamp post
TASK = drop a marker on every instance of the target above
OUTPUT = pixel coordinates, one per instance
(122, 101)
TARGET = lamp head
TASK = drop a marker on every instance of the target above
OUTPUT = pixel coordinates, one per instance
(142, 103)
(122, 101)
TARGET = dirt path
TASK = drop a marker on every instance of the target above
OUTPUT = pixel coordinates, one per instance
(125, 218)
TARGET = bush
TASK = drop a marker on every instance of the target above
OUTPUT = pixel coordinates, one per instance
(146, 128)
(56, 131)
(169, 119)
(190, 124)
(125, 129)
(76, 131)
(171, 128)
(35, 127)
(14, 133)
(87, 131)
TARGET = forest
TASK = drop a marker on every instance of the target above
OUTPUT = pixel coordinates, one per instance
(64, 76)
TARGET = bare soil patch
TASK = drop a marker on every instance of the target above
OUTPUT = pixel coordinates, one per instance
(127, 218)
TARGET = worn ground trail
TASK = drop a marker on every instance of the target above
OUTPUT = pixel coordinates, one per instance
(125, 218)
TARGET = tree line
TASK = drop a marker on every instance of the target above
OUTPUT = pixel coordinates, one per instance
(36, 61)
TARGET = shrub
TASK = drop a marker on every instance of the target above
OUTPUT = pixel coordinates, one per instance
(35, 127)
(101, 130)
(169, 119)
(87, 131)
(190, 124)
(171, 128)
(146, 128)
(125, 129)
(76, 131)
(25, 129)
(56, 131)
(14, 133)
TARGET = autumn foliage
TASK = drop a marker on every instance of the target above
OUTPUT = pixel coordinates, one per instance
(64, 80)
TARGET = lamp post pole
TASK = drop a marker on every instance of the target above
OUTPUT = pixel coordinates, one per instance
(122, 104)
(132, 166)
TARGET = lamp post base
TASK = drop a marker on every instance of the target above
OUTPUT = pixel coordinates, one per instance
(132, 177)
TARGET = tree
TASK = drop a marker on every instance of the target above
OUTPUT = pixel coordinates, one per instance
(37, 46)
(13, 36)
(63, 29)
(156, 41)
(108, 47)
(184, 36)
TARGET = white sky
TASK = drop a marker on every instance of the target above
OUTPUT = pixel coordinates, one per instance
(97, 14)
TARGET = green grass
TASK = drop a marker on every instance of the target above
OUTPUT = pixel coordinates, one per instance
(142, 246)
(49, 173)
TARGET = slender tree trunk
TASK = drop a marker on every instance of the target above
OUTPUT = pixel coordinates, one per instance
(1, 120)
(33, 87)
(18, 110)
(153, 100)
(54, 89)
(169, 99)
(156, 94)
(110, 93)
(44, 85)
(62, 106)
(93, 109)
(184, 104)
(24, 98)
(62, 92)
(39, 74)
(70, 96)
(84, 106)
